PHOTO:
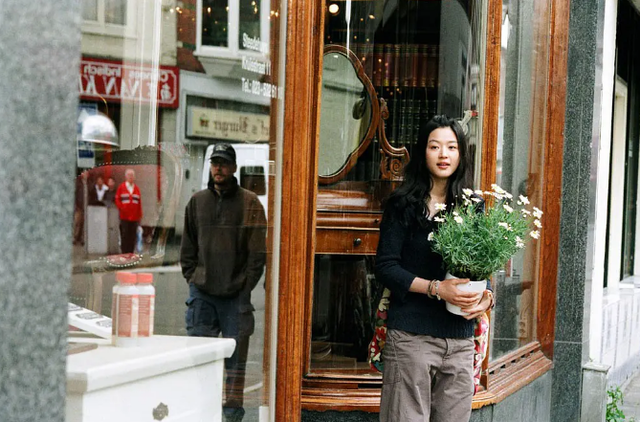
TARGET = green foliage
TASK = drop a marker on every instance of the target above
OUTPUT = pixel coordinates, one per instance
(614, 400)
(475, 244)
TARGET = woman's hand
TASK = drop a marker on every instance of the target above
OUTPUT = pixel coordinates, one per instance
(449, 291)
(480, 308)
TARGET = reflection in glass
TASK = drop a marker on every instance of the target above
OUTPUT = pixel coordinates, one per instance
(520, 159)
(345, 115)
(115, 11)
(99, 129)
(249, 20)
(90, 10)
(136, 172)
(215, 21)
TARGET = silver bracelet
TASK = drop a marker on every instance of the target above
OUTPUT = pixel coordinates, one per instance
(437, 287)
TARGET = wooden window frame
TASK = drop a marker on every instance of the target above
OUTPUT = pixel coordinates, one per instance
(503, 376)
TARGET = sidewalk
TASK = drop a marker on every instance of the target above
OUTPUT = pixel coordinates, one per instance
(631, 406)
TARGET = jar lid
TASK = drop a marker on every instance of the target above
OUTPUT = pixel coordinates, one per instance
(145, 278)
(126, 277)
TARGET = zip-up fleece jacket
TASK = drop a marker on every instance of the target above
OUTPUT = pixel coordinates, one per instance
(223, 249)
(130, 205)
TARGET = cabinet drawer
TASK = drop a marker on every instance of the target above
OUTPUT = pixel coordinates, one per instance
(345, 241)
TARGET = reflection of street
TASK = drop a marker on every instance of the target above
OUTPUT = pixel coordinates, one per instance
(171, 293)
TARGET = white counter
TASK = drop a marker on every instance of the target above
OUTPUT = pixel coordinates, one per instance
(172, 379)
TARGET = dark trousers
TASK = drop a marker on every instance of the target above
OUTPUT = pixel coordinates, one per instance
(128, 235)
(210, 316)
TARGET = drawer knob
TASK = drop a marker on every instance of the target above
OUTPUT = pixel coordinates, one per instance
(160, 412)
(357, 242)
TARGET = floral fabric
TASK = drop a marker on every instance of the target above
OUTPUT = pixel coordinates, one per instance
(480, 339)
(380, 333)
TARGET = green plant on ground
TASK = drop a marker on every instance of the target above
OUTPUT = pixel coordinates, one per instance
(614, 401)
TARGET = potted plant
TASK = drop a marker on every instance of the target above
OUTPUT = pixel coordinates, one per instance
(478, 237)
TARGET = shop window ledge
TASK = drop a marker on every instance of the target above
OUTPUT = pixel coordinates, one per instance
(507, 375)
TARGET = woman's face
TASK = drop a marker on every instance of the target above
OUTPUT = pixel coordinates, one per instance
(443, 155)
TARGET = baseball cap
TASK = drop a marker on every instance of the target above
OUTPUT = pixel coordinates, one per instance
(225, 151)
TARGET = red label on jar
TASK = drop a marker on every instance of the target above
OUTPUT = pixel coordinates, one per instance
(145, 321)
(127, 315)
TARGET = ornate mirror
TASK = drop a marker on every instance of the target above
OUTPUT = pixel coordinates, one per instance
(349, 114)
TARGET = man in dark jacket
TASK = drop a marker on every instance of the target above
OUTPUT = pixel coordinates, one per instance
(223, 253)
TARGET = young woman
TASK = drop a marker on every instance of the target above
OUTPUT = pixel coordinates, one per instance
(428, 355)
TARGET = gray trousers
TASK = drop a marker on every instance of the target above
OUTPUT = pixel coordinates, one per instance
(426, 379)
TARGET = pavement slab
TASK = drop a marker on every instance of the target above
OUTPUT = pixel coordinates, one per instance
(631, 405)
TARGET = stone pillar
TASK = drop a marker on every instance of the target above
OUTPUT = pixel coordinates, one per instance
(594, 392)
(39, 59)
(571, 337)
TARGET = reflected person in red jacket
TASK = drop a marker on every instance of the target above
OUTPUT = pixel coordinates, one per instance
(129, 202)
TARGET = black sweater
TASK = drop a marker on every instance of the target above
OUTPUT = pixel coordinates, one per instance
(404, 253)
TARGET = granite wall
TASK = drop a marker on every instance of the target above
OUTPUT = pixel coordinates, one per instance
(39, 59)
(571, 339)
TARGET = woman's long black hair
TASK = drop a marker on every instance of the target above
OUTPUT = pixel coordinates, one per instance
(411, 198)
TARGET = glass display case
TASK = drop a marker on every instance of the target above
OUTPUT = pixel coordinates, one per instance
(387, 69)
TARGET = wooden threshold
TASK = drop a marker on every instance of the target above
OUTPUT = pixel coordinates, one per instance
(507, 375)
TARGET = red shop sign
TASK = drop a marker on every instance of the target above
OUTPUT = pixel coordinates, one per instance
(120, 82)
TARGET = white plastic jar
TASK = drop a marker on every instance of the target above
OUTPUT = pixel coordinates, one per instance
(126, 312)
(147, 307)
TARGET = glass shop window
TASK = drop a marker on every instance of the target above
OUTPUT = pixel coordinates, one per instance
(520, 161)
(387, 69)
(215, 23)
(227, 27)
(150, 115)
(109, 17)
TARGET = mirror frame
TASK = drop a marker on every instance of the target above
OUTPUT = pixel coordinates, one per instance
(375, 115)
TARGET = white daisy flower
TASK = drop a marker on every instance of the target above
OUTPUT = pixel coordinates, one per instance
(438, 219)
(430, 237)
(440, 207)
(467, 192)
(524, 199)
(475, 199)
(479, 192)
(535, 234)
(538, 224)
(505, 225)
(458, 219)
(507, 208)
(498, 189)
(525, 212)
(537, 213)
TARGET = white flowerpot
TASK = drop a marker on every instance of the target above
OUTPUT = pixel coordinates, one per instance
(472, 286)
